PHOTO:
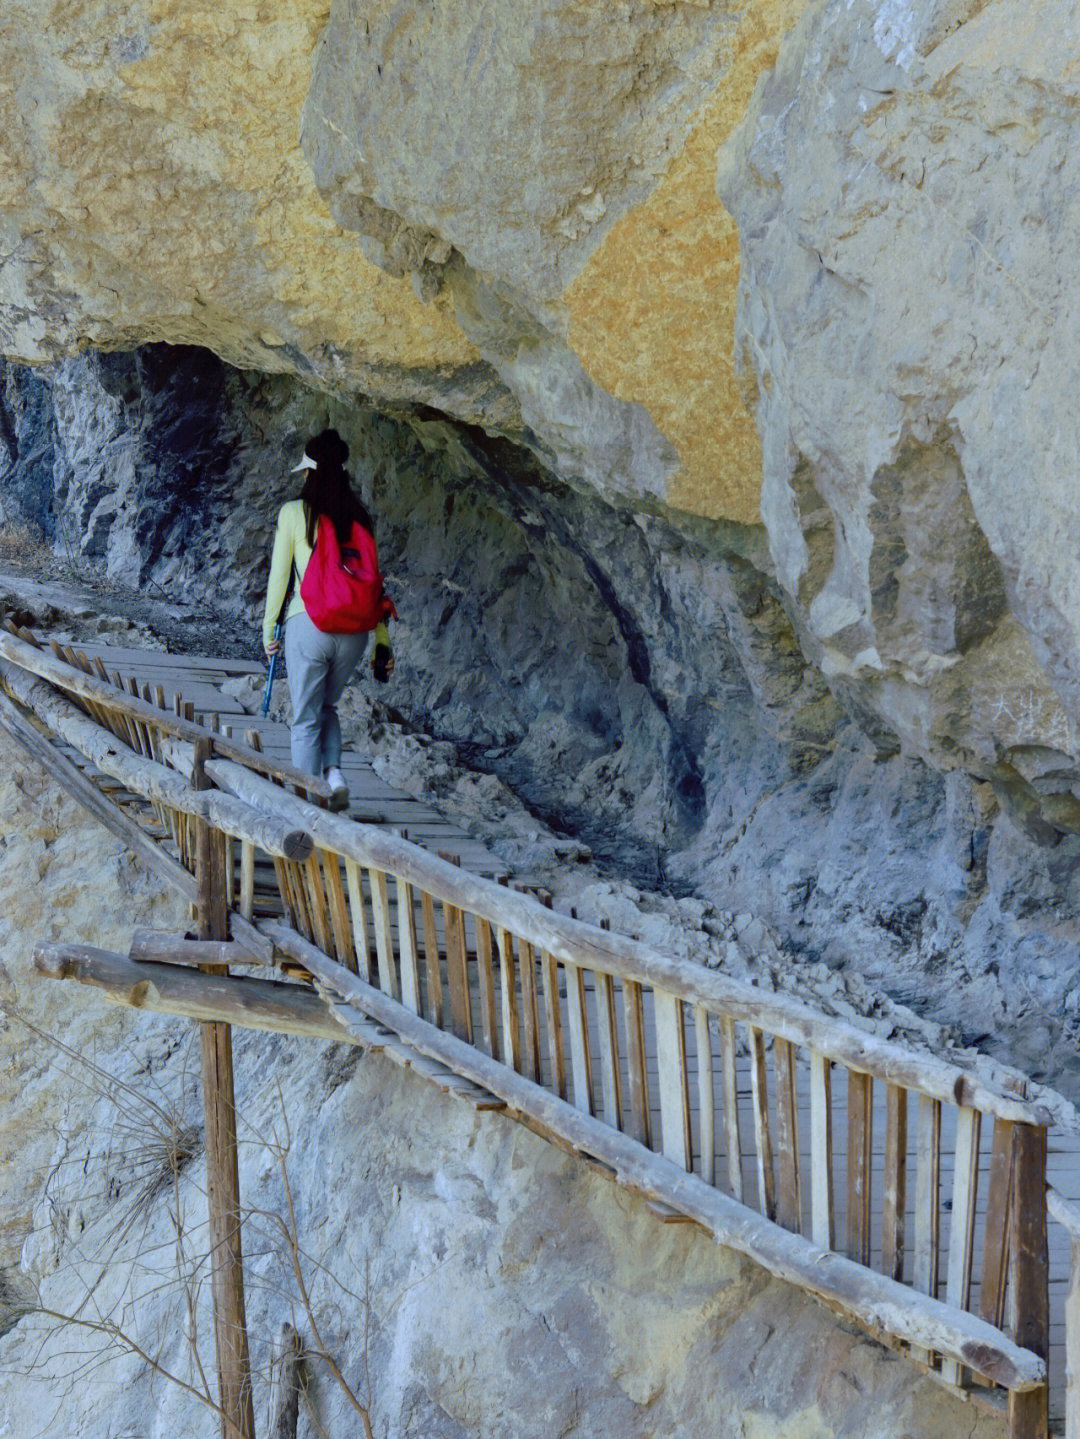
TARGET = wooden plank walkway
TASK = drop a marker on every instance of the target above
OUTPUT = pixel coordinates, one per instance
(198, 679)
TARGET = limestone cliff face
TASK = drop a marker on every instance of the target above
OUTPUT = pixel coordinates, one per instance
(543, 175)
(905, 192)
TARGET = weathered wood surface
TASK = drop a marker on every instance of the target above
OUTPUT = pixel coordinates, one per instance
(878, 1303)
(173, 989)
(573, 942)
(148, 778)
(154, 946)
(38, 662)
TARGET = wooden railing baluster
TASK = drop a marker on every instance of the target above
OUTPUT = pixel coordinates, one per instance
(762, 1130)
(1028, 1297)
(732, 1126)
(553, 1022)
(489, 1019)
(432, 960)
(511, 1021)
(822, 1202)
(339, 908)
(675, 1137)
(788, 1167)
(354, 883)
(310, 875)
(410, 963)
(457, 974)
(927, 1200)
(638, 1124)
(995, 1269)
(580, 1052)
(860, 1140)
(607, 1034)
(894, 1183)
(384, 939)
(529, 1009)
(962, 1222)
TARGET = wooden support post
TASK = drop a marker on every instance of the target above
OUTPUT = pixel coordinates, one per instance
(222, 1168)
(732, 1133)
(1029, 1301)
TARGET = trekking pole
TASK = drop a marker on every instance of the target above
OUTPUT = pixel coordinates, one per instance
(273, 671)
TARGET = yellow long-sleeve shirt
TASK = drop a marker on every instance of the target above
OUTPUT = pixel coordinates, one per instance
(291, 547)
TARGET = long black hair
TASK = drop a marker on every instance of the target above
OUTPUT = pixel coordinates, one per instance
(328, 490)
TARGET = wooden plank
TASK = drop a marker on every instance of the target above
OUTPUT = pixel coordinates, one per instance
(529, 1009)
(822, 1205)
(153, 946)
(732, 1133)
(384, 940)
(267, 1005)
(860, 1141)
(894, 1181)
(638, 1121)
(488, 1004)
(339, 907)
(294, 874)
(1072, 1340)
(788, 1165)
(511, 1024)
(607, 1035)
(858, 1291)
(672, 1072)
(457, 973)
(432, 961)
(995, 1269)
(580, 1053)
(927, 1200)
(962, 1223)
(762, 1135)
(358, 915)
(410, 963)
(553, 1022)
(318, 906)
(247, 878)
(1028, 1300)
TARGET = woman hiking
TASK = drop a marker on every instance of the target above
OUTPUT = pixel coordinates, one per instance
(319, 661)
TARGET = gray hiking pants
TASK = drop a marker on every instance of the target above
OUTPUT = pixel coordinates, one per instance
(319, 666)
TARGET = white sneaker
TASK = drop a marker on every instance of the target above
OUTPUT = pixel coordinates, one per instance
(339, 789)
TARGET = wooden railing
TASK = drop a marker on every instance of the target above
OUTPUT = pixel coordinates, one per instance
(811, 1146)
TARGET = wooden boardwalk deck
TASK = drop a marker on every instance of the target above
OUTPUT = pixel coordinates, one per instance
(198, 679)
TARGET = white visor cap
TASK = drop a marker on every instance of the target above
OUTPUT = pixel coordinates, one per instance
(307, 463)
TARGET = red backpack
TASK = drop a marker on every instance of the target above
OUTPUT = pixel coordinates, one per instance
(342, 588)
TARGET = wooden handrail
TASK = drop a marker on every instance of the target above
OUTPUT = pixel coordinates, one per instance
(571, 941)
(879, 1303)
(64, 676)
(154, 781)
